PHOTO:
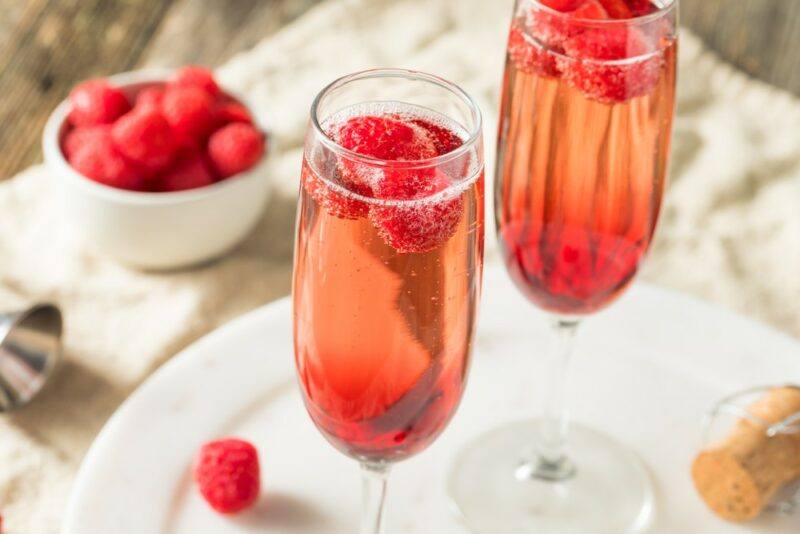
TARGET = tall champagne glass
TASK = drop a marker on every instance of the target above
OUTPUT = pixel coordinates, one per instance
(388, 263)
(584, 136)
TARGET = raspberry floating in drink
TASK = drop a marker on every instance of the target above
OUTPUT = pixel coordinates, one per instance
(182, 134)
(611, 61)
(396, 139)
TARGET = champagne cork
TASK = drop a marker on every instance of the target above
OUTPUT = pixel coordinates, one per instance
(738, 476)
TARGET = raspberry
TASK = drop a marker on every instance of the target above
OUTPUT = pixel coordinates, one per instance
(190, 111)
(618, 9)
(77, 137)
(96, 102)
(190, 171)
(641, 8)
(386, 137)
(587, 70)
(530, 57)
(591, 9)
(231, 111)
(419, 226)
(444, 140)
(235, 148)
(551, 30)
(227, 474)
(149, 98)
(562, 5)
(194, 76)
(98, 159)
(334, 202)
(144, 137)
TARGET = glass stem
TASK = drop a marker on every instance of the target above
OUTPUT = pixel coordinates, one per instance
(374, 478)
(549, 461)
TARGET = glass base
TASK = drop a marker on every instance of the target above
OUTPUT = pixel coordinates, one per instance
(495, 492)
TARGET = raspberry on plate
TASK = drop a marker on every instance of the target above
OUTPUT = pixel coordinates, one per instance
(189, 110)
(227, 474)
(190, 171)
(97, 158)
(194, 76)
(96, 102)
(145, 137)
(235, 148)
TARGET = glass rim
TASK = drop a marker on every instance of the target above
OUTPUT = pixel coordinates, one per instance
(474, 134)
(670, 6)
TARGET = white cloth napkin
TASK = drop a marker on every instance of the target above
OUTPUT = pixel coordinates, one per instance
(730, 231)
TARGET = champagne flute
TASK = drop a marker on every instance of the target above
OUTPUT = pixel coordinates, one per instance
(388, 263)
(584, 136)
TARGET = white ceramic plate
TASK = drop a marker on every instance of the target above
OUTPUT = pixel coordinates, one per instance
(646, 371)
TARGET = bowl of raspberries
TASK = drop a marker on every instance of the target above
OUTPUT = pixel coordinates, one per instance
(157, 169)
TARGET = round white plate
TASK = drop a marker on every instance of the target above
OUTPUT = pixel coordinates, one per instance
(645, 371)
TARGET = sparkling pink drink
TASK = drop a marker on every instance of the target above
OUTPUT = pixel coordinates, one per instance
(387, 279)
(583, 145)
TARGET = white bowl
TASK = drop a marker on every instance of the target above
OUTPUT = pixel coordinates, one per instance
(154, 230)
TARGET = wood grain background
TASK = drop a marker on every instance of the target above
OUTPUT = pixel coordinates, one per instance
(49, 45)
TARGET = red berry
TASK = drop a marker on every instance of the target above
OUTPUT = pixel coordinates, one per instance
(146, 138)
(149, 98)
(529, 56)
(562, 5)
(96, 102)
(418, 226)
(385, 137)
(587, 67)
(607, 43)
(227, 474)
(591, 9)
(189, 110)
(231, 111)
(98, 159)
(194, 76)
(190, 171)
(77, 137)
(641, 8)
(549, 31)
(444, 139)
(337, 203)
(235, 148)
(618, 9)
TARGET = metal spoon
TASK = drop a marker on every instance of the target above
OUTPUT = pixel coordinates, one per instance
(30, 345)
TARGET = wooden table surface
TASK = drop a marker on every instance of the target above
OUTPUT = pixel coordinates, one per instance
(49, 45)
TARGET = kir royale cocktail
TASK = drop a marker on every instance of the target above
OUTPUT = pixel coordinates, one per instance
(387, 277)
(582, 156)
